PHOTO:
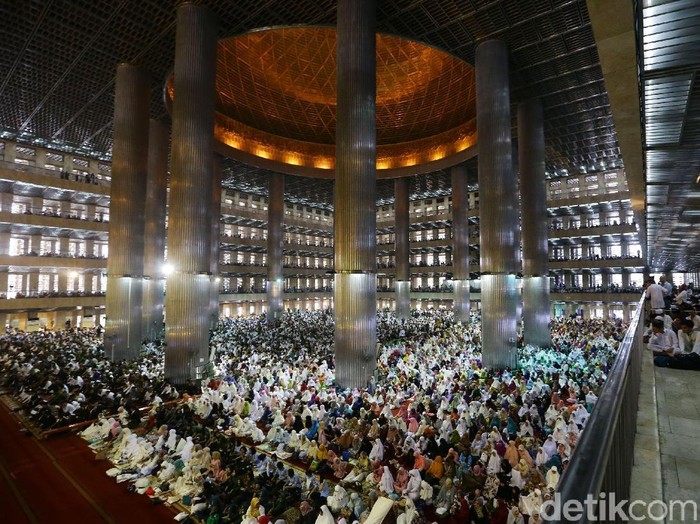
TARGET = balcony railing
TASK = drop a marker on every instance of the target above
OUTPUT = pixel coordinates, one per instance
(602, 461)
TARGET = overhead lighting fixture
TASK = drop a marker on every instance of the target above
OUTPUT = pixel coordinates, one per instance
(697, 180)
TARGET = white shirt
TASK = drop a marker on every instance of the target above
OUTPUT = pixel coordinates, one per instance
(656, 296)
(689, 343)
(664, 341)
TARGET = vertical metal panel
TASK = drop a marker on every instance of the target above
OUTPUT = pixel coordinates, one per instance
(533, 188)
(355, 328)
(355, 214)
(460, 243)
(498, 206)
(189, 227)
(190, 334)
(498, 196)
(498, 303)
(403, 298)
(154, 243)
(401, 254)
(123, 328)
(462, 301)
(275, 243)
(124, 303)
(460, 223)
(215, 219)
(536, 311)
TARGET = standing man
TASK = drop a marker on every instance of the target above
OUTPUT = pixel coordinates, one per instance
(667, 290)
(655, 294)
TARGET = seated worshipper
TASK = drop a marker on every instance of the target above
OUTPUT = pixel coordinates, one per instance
(409, 513)
(357, 505)
(436, 470)
(338, 500)
(552, 478)
(663, 341)
(386, 483)
(445, 497)
(360, 470)
(401, 480)
(413, 487)
(688, 337)
(376, 455)
(688, 354)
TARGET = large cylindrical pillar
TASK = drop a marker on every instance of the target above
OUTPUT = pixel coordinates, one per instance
(124, 301)
(189, 226)
(460, 243)
(275, 243)
(355, 217)
(215, 221)
(498, 207)
(402, 282)
(533, 199)
(154, 242)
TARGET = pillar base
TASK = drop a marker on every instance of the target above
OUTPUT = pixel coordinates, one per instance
(275, 300)
(499, 296)
(187, 328)
(355, 306)
(536, 311)
(123, 332)
(403, 298)
(152, 308)
(462, 304)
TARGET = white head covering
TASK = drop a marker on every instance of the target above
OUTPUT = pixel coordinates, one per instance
(386, 484)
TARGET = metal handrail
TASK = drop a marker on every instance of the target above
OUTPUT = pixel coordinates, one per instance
(602, 461)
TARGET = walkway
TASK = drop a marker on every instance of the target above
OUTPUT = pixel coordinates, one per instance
(667, 445)
(58, 480)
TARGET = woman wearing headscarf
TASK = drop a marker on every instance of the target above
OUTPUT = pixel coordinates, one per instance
(377, 453)
(386, 483)
(401, 480)
(325, 517)
(436, 469)
(339, 499)
(412, 489)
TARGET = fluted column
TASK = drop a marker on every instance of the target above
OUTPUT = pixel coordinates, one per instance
(215, 220)
(187, 299)
(460, 243)
(355, 216)
(154, 245)
(124, 301)
(402, 282)
(275, 242)
(498, 207)
(533, 194)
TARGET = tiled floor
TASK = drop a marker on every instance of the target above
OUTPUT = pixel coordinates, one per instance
(678, 401)
(667, 444)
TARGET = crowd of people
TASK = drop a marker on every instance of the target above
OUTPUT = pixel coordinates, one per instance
(673, 332)
(272, 438)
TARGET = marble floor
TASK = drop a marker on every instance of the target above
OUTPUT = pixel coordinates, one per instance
(667, 444)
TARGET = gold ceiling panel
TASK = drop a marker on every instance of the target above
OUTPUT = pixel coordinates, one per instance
(276, 99)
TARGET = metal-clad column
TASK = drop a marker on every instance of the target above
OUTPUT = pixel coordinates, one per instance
(275, 241)
(189, 225)
(402, 282)
(215, 220)
(124, 300)
(154, 242)
(355, 217)
(460, 243)
(498, 207)
(533, 194)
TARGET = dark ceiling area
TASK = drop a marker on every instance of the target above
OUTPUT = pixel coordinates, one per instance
(58, 63)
